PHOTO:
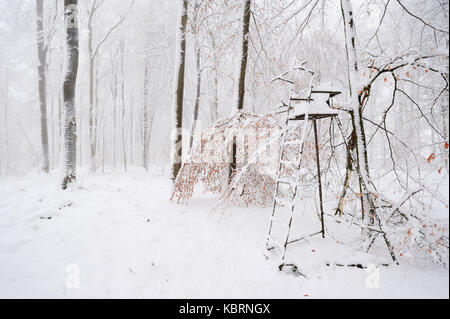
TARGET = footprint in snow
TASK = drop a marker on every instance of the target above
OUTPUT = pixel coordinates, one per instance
(66, 203)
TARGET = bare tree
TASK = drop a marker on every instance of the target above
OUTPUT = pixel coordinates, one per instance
(177, 149)
(93, 53)
(147, 119)
(243, 68)
(244, 57)
(114, 94)
(70, 79)
(195, 30)
(6, 120)
(42, 81)
(122, 94)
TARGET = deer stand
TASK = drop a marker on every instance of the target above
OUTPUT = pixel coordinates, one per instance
(293, 173)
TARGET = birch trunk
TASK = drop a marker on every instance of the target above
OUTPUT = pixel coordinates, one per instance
(70, 146)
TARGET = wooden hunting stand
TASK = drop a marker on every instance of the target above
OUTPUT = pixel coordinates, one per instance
(316, 106)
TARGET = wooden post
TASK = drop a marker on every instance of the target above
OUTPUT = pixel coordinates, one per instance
(319, 178)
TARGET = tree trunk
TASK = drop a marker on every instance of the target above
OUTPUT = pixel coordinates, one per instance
(124, 149)
(198, 91)
(241, 82)
(70, 146)
(215, 104)
(177, 148)
(244, 57)
(358, 139)
(96, 120)
(92, 128)
(52, 121)
(92, 121)
(145, 119)
(444, 115)
(357, 121)
(114, 97)
(42, 74)
(6, 121)
(131, 129)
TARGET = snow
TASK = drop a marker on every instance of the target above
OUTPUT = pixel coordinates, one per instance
(124, 238)
(319, 103)
(318, 106)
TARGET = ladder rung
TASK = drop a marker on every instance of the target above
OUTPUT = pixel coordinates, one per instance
(295, 142)
(303, 237)
(287, 182)
(279, 221)
(290, 162)
(284, 202)
(274, 242)
(306, 185)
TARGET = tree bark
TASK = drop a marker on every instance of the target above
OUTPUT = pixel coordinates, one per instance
(114, 96)
(241, 83)
(131, 129)
(92, 122)
(145, 119)
(70, 137)
(215, 104)
(6, 121)
(42, 81)
(358, 138)
(244, 58)
(124, 149)
(177, 139)
(198, 90)
(444, 115)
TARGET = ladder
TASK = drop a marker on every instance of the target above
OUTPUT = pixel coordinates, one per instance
(293, 136)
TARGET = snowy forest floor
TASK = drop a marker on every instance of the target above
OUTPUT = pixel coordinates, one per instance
(127, 240)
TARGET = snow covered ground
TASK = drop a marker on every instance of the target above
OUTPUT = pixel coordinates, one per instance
(118, 236)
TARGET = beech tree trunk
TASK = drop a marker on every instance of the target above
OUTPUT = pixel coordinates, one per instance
(122, 71)
(246, 26)
(199, 82)
(177, 139)
(145, 119)
(215, 104)
(70, 79)
(359, 136)
(241, 83)
(42, 81)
